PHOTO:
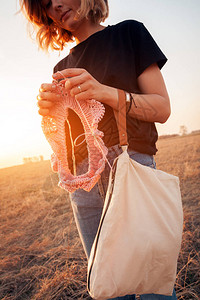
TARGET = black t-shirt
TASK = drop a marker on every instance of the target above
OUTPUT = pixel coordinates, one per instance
(116, 56)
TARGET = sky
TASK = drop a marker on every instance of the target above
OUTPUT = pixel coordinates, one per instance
(174, 24)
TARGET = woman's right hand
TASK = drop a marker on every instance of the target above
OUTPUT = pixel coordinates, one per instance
(47, 98)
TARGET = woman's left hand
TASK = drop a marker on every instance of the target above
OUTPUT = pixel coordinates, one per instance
(84, 86)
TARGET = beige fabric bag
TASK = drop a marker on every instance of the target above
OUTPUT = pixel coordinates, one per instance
(139, 237)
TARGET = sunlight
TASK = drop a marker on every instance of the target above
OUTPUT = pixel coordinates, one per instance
(24, 68)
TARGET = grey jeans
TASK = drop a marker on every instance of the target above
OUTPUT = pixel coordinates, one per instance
(87, 206)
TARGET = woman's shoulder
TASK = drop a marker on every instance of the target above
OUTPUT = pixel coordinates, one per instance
(129, 29)
(128, 24)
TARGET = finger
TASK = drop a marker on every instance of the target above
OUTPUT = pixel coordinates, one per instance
(45, 104)
(49, 96)
(47, 87)
(83, 96)
(78, 88)
(68, 73)
(77, 81)
(43, 112)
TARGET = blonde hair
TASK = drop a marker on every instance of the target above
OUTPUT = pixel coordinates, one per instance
(48, 33)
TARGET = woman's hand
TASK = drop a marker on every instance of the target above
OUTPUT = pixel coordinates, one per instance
(152, 105)
(84, 86)
(47, 98)
(80, 84)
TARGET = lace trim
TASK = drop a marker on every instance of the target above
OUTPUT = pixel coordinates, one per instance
(90, 113)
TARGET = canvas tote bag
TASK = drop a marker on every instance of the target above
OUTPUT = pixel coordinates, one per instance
(136, 248)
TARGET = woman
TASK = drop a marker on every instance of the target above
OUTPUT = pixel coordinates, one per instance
(123, 56)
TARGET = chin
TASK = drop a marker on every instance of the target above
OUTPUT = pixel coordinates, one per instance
(70, 25)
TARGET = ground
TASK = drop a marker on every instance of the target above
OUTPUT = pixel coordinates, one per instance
(40, 253)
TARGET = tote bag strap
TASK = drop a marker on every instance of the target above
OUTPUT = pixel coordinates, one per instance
(120, 117)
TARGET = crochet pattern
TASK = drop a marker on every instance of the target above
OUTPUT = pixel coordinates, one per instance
(90, 113)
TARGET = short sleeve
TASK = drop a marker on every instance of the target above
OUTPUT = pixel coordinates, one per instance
(147, 51)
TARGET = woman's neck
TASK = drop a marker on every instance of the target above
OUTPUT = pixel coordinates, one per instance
(85, 30)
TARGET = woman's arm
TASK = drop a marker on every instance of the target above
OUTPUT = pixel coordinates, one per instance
(152, 105)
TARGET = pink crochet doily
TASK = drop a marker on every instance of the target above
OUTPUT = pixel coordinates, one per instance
(90, 113)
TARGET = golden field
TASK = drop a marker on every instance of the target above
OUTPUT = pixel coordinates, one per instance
(40, 253)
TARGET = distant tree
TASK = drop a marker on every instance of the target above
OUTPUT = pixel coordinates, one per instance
(166, 136)
(24, 160)
(33, 159)
(196, 131)
(27, 160)
(183, 130)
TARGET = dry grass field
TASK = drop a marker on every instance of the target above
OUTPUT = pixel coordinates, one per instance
(40, 253)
